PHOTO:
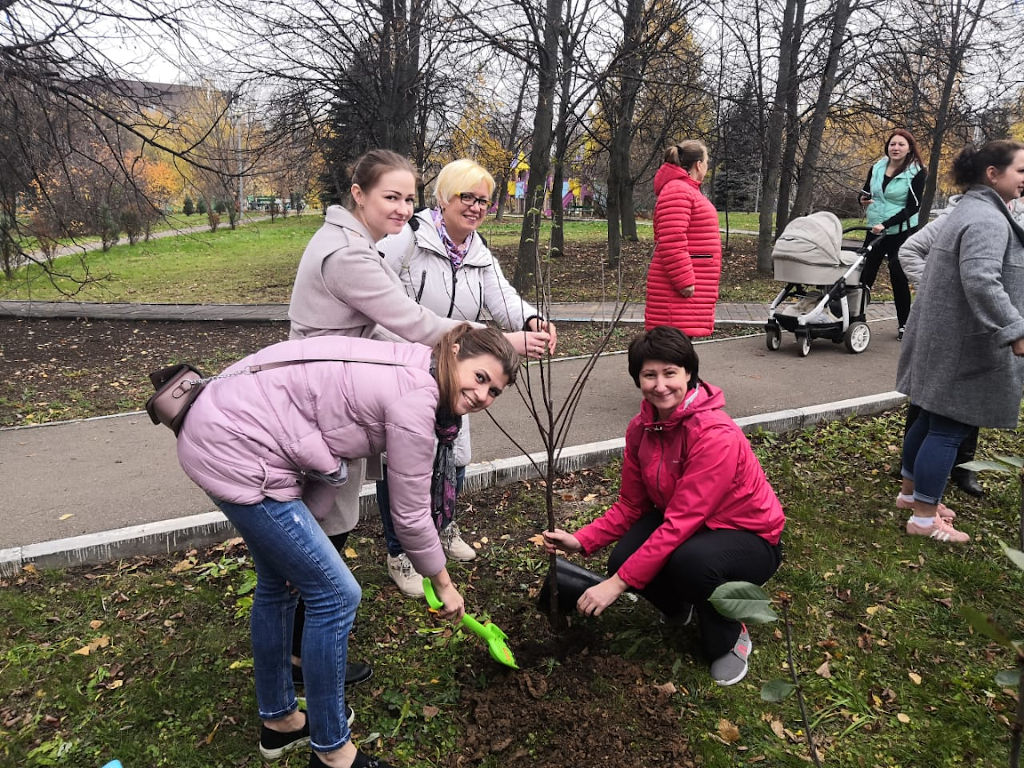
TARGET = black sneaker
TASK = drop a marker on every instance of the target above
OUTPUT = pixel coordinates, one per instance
(899, 333)
(355, 672)
(275, 744)
(362, 761)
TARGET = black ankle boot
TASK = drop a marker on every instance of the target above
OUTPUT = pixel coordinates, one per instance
(967, 481)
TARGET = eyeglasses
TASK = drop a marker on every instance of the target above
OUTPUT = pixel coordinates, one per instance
(469, 200)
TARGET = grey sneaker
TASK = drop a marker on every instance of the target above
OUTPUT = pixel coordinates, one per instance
(404, 575)
(732, 667)
(454, 546)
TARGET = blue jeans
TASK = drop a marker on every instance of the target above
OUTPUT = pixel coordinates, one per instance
(293, 557)
(384, 505)
(929, 452)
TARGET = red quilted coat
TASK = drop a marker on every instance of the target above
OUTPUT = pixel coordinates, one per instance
(687, 251)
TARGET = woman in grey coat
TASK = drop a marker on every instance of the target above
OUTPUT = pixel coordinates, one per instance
(962, 360)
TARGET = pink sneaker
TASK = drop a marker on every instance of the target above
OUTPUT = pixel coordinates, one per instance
(905, 502)
(940, 530)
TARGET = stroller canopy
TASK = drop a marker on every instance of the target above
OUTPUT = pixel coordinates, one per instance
(814, 240)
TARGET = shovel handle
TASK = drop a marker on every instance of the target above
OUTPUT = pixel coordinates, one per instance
(431, 595)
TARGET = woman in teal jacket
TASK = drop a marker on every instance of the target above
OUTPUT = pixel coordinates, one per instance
(892, 193)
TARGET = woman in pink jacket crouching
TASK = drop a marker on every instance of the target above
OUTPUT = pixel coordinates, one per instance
(271, 449)
(695, 509)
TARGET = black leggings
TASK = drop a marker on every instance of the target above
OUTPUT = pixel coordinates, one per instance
(698, 565)
(889, 249)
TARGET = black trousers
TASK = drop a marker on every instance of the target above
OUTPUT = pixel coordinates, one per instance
(888, 249)
(699, 565)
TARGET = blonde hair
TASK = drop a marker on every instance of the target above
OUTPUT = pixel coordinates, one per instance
(460, 176)
(686, 154)
(472, 342)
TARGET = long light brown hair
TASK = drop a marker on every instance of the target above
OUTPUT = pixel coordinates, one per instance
(472, 342)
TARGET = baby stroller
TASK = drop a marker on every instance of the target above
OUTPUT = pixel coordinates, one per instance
(823, 297)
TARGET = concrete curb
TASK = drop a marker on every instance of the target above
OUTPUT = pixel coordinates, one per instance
(212, 527)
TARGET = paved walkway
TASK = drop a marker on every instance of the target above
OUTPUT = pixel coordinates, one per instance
(751, 313)
(99, 489)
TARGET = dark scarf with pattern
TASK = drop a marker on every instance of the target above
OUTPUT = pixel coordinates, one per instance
(442, 480)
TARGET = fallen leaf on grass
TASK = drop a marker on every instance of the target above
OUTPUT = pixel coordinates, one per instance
(95, 624)
(873, 609)
(823, 671)
(914, 678)
(430, 711)
(350, 553)
(903, 718)
(184, 565)
(538, 540)
(729, 732)
(668, 688)
(778, 729)
(99, 642)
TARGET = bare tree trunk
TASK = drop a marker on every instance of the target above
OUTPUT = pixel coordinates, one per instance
(959, 43)
(621, 216)
(773, 153)
(809, 170)
(540, 154)
(561, 146)
(512, 148)
(787, 171)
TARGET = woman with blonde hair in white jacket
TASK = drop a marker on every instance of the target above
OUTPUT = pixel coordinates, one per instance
(444, 264)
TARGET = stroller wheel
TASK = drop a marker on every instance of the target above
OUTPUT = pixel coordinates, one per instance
(857, 337)
(804, 341)
(772, 337)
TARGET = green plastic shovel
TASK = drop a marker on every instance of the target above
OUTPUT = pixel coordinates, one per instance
(488, 632)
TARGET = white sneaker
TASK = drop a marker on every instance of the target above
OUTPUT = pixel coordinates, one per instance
(454, 546)
(404, 575)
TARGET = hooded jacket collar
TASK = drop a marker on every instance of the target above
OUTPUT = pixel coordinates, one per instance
(705, 397)
(428, 238)
(670, 172)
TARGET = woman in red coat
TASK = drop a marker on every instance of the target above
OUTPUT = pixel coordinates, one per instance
(695, 509)
(682, 283)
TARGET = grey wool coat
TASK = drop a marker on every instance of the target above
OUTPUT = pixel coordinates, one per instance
(956, 359)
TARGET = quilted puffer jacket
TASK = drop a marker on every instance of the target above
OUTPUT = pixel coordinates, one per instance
(273, 433)
(687, 251)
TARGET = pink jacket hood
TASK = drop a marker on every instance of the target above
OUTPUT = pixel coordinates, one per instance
(669, 172)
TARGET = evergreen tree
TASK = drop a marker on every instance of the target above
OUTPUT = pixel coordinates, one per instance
(190, 207)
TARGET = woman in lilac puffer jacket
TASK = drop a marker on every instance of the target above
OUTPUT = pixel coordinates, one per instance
(271, 449)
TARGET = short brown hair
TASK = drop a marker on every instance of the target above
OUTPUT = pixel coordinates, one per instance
(472, 342)
(667, 344)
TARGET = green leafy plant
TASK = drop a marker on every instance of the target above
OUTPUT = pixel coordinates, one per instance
(1009, 464)
(1007, 678)
(749, 603)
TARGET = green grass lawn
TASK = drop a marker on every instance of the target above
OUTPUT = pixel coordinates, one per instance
(256, 264)
(249, 265)
(148, 660)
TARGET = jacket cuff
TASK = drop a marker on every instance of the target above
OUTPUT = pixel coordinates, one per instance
(526, 322)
